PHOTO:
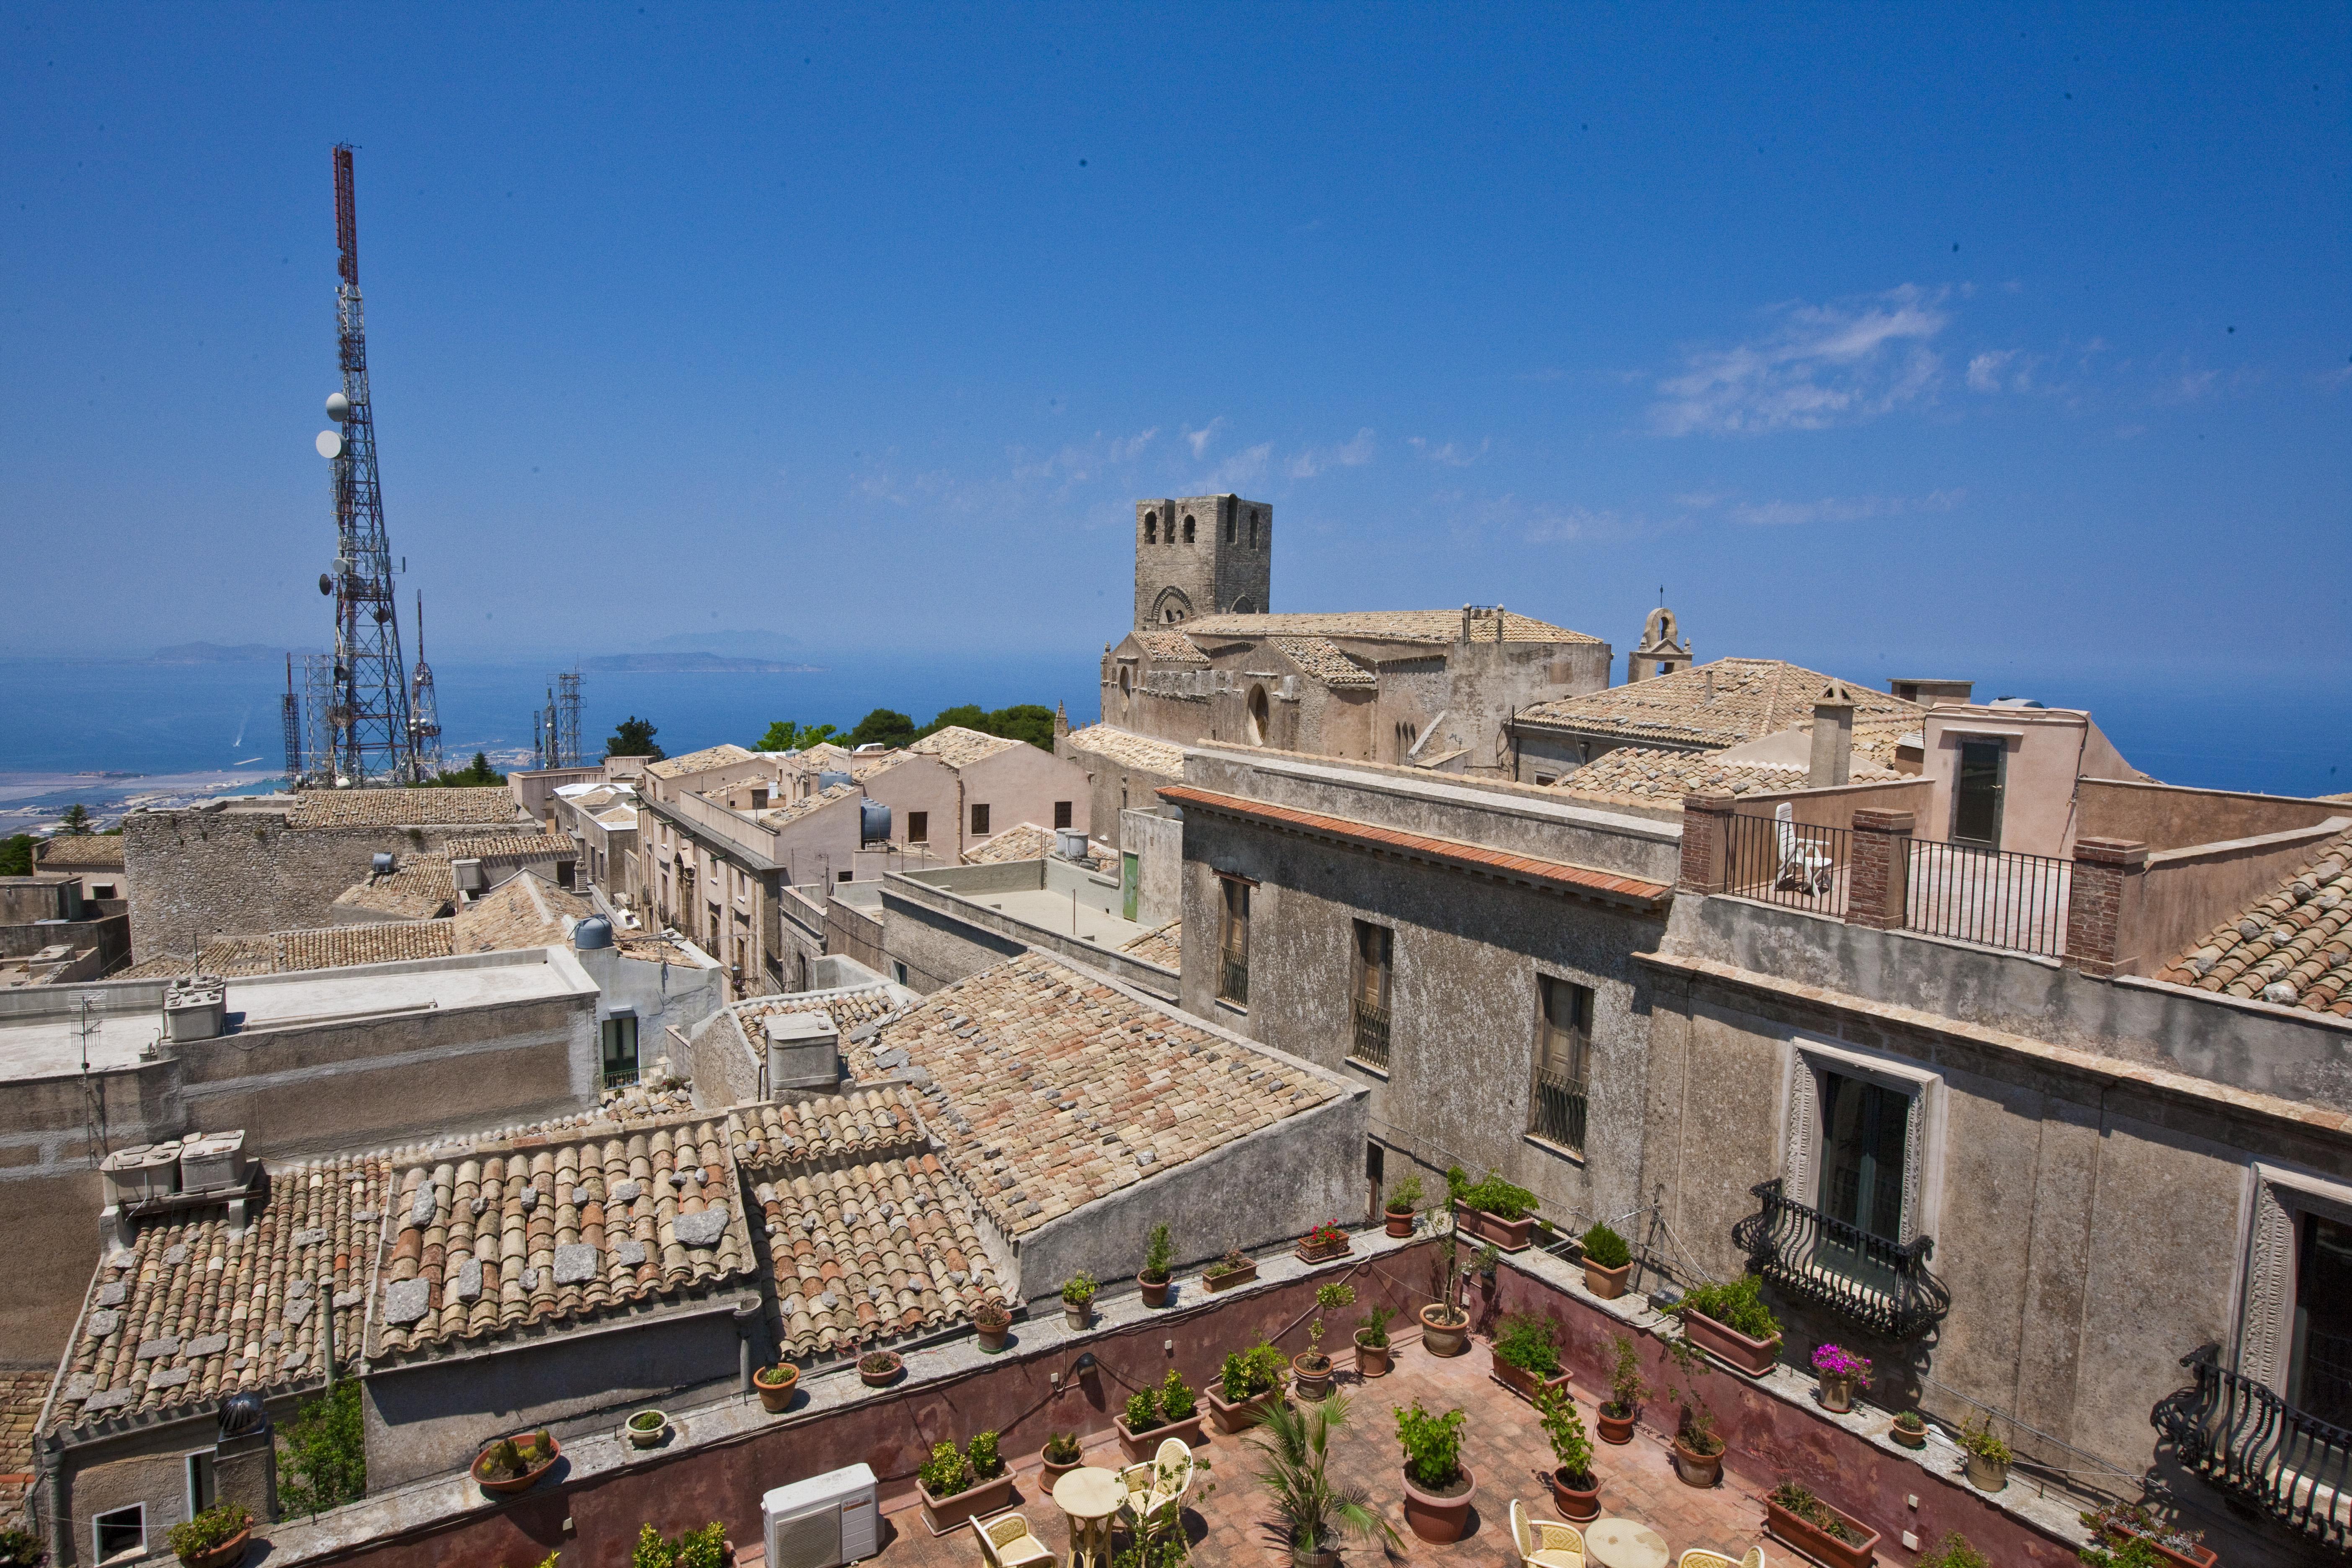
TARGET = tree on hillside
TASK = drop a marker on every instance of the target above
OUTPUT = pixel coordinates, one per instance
(634, 738)
(779, 737)
(76, 820)
(1022, 721)
(17, 855)
(886, 726)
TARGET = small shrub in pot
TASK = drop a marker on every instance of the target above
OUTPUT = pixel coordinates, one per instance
(1626, 1389)
(1608, 1259)
(1155, 1277)
(1438, 1488)
(1373, 1349)
(1573, 1485)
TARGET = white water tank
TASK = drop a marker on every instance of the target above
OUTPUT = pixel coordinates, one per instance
(822, 1522)
(803, 1051)
(1070, 843)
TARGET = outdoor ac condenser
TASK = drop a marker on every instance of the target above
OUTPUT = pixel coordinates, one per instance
(822, 1523)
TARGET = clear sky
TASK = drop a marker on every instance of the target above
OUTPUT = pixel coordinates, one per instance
(1955, 338)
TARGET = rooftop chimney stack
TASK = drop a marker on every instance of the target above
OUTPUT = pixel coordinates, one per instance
(1833, 759)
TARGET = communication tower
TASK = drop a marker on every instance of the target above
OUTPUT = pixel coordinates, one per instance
(321, 700)
(424, 711)
(567, 714)
(370, 739)
(292, 716)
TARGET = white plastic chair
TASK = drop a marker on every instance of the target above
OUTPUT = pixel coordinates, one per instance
(1804, 863)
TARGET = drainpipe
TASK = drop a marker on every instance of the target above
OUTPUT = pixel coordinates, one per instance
(327, 1326)
(53, 1493)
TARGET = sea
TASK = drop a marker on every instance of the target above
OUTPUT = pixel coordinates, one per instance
(116, 733)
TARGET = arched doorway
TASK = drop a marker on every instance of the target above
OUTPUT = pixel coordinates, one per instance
(1260, 716)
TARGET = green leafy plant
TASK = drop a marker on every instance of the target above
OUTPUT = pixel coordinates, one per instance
(1405, 1197)
(646, 1421)
(1293, 1446)
(1954, 1551)
(1374, 1335)
(217, 1523)
(2129, 1519)
(945, 1472)
(1604, 1249)
(20, 1548)
(1801, 1502)
(1490, 1258)
(1977, 1437)
(1078, 1289)
(1433, 1447)
(1233, 1262)
(2134, 1551)
(1177, 1400)
(1524, 1340)
(1458, 1182)
(1143, 1410)
(1737, 1305)
(1571, 1450)
(1626, 1389)
(878, 1363)
(1062, 1448)
(322, 1454)
(782, 1373)
(1695, 1426)
(1496, 1196)
(1159, 1253)
(1250, 1372)
(704, 1548)
(1327, 1298)
(981, 1453)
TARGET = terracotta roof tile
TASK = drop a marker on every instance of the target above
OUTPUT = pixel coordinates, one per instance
(402, 807)
(700, 762)
(825, 1127)
(1171, 647)
(1129, 750)
(418, 887)
(1386, 626)
(1727, 703)
(322, 947)
(1645, 776)
(1162, 945)
(1023, 841)
(959, 748)
(2292, 948)
(96, 850)
(514, 846)
(525, 910)
(1320, 658)
(793, 811)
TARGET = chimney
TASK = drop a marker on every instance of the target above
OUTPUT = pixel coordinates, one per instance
(1833, 760)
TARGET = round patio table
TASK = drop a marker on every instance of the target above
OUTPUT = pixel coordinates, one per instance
(1090, 1498)
(1624, 1543)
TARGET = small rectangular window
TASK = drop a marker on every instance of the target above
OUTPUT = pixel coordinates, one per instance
(1563, 1040)
(1061, 814)
(918, 827)
(122, 1529)
(899, 972)
(1542, 779)
(1368, 993)
(101, 890)
(201, 1490)
(758, 800)
(1232, 942)
(980, 821)
(620, 1033)
(840, 877)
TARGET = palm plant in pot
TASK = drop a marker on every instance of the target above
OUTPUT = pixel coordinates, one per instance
(1311, 1373)
(1293, 1446)
(1697, 1446)
(1079, 1298)
(775, 1385)
(1438, 1488)
(1372, 1349)
(1573, 1485)
(1608, 1259)
(1155, 1277)
(1626, 1389)
(1396, 1215)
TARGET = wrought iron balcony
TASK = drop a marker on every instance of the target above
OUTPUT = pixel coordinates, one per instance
(2245, 1440)
(1864, 1279)
(1372, 1043)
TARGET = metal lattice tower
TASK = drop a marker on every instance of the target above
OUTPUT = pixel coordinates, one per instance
(320, 698)
(567, 714)
(425, 710)
(293, 717)
(373, 742)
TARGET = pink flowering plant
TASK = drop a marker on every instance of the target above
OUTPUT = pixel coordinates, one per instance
(1836, 1360)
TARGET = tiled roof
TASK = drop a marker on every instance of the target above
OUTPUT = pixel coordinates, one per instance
(700, 762)
(1320, 658)
(527, 910)
(1023, 841)
(402, 807)
(322, 947)
(80, 850)
(1129, 750)
(1162, 945)
(514, 846)
(1386, 626)
(191, 1313)
(959, 747)
(828, 1127)
(2294, 948)
(621, 818)
(537, 1232)
(418, 888)
(1049, 1087)
(849, 1008)
(1171, 647)
(1650, 777)
(1727, 703)
(793, 811)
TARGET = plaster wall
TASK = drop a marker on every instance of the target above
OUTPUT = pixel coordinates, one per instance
(534, 788)
(2167, 816)
(1023, 784)
(662, 995)
(109, 934)
(942, 936)
(857, 934)
(1158, 843)
(2184, 893)
(1113, 788)
(1835, 807)
(2048, 750)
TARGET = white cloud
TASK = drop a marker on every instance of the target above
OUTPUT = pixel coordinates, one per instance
(1200, 439)
(1453, 454)
(1353, 454)
(1984, 370)
(1243, 468)
(1853, 509)
(1817, 366)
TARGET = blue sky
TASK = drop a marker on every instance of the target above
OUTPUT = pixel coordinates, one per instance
(1967, 339)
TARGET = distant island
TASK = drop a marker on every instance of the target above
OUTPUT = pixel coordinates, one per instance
(216, 653)
(692, 664)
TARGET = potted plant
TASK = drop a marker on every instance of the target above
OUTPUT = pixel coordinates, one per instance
(511, 1465)
(957, 1486)
(704, 1548)
(879, 1369)
(1060, 1456)
(1326, 1241)
(1608, 1259)
(1396, 1215)
(1293, 1446)
(1235, 1267)
(1525, 1359)
(1574, 1487)
(1840, 1371)
(1250, 1381)
(993, 1322)
(1311, 1373)
(1988, 1456)
(1626, 1389)
(1498, 1212)
(1372, 1354)
(647, 1429)
(1910, 1429)
(1490, 1259)
(1157, 1413)
(1826, 1534)
(216, 1538)
(1697, 1446)
(1079, 1298)
(1438, 1488)
(1954, 1551)
(2123, 1524)
(1154, 1277)
(1732, 1322)
(775, 1385)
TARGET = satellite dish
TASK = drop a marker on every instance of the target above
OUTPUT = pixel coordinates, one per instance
(326, 584)
(329, 444)
(338, 407)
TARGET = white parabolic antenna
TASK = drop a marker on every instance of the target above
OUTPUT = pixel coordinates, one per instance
(329, 444)
(338, 407)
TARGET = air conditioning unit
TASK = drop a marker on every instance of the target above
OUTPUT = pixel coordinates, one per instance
(822, 1523)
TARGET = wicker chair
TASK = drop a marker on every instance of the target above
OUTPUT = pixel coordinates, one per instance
(1699, 1557)
(1007, 1541)
(1545, 1542)
(1171, 1472)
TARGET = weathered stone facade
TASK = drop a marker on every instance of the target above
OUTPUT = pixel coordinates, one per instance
(1201, 555)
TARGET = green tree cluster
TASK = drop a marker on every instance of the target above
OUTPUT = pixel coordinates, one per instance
(1030, 722)
(17, 855)
(322, 1453)
(474, 775)
(634, 738)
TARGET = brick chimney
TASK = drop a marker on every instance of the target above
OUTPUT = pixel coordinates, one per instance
(1832, 760)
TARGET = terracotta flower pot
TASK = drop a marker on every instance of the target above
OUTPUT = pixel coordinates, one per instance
(2190, 1557)
(993, 1338)
(775, 1398)
(1440, 1517)
(1310, 1376)
(1819, 1543)
(1241, 1275)
(1241, 1415)
(227, 1555)
(1695, 1468)
(1728, 1345)
(1371, 1361)
(1909, 1439)
(1055, 1469)
(1987, 1475)
(1077, 1315)
(1520, 1381)
(1616, 1429)
(1141, 1445)
(1837, 1393)
(1439, 1338)
(1324, 1254)
(943, 1514)
(1606, 1283)
(512, 1485)
(1155, 1291)
(1576, 1504)
(881, 1377)
(1398, 1222)
(1508, 1234)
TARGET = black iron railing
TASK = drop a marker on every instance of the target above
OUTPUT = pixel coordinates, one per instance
(1862, 1277)
(2245, 1440)
(1796, 864)
(1996, 899)
(1371, 1034)
(1233, 985)
(1559, 1116)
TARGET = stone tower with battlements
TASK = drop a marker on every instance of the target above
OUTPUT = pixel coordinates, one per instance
(1204, 555)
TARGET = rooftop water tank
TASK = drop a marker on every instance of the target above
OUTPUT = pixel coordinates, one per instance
(830, 777)
(873, 822)
(593, 932)
(384, 862)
